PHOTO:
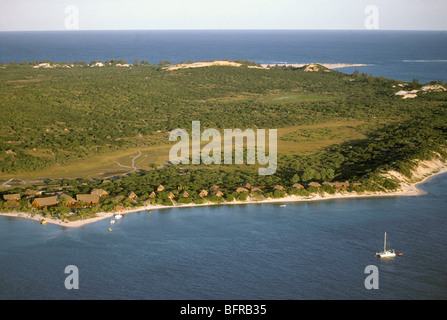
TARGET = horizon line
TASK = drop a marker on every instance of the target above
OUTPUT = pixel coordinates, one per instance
(229, 29)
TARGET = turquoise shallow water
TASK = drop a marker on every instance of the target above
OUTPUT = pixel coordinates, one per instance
(314, 250)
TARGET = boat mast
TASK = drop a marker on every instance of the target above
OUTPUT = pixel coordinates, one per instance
(384, 243)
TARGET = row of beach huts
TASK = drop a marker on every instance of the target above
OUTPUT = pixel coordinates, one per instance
(94, 196)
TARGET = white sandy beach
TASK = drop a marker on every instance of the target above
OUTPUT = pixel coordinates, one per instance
(208, 64)
(424, 171)
(263, 66)
(327, 65)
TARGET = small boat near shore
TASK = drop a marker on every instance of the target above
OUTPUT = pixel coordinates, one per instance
(386, 253)
(118, 216)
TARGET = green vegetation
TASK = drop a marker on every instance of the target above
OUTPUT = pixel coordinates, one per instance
(78, 121)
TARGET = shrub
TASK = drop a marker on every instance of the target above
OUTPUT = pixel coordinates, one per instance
(216, 199)
(199, 200)
(279, 194)
(242, 197)
(327, 189)
(389, 184)
(184, 200)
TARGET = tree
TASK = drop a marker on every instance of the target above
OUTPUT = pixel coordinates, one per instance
(295, 178)
(307, 176)
(329, 174)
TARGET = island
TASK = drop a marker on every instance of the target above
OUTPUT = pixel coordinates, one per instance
(81, 142)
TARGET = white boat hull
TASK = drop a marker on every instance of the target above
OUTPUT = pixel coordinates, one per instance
(386, 254)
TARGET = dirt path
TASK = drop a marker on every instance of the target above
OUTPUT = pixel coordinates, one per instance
(133, 167)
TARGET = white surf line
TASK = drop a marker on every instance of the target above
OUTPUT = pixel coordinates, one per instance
(327, 65)
(422, 61)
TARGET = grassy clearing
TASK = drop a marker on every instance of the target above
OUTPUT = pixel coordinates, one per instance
(295, 140)
(287, 97)
(103, 165)
(308, 139)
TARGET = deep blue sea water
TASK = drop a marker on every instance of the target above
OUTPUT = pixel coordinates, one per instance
(402, 55)
(314, 250)
(306, 250)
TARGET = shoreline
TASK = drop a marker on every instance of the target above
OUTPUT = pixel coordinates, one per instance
(327, 65)
(262, 65)
(407, 189)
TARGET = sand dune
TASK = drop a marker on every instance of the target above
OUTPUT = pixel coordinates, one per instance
(207, 64)
(263, 66)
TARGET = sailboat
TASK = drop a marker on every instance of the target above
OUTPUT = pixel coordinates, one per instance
(386, 253)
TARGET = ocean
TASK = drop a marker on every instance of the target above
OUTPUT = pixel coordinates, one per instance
(306, 250)
(402, 55)
(314, 250)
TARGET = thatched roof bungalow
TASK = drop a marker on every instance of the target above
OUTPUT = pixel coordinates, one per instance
(185, 194)
(340, 185)
(45, 202)
(247, 185)
(297, 186)
(88, 198)
(278, 187)
(171, 195)
(32, 193)
(218, 193)
(160, 188)
(214, 187)
(119, 207)
(256, 189)
(241, 189)
(203, 193)
(67, 199)
(11, 197)
(152, 195)
(99, 192)
(314, 184)
(131, 195)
